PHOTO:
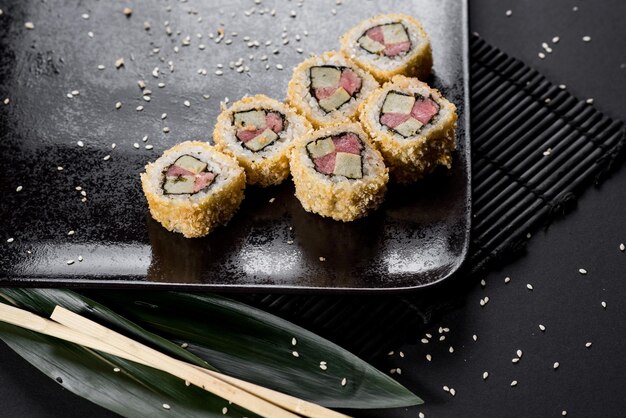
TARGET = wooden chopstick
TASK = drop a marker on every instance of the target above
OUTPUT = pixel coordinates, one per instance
(25, 319)
(155, 359)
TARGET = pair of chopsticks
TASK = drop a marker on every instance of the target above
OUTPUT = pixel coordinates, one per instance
(69, 326)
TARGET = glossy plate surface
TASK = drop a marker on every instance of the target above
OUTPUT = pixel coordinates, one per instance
(419, 236)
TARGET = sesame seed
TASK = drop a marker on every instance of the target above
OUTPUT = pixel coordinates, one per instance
(295, 354)
(127, 11)
(515, 360)
(452, 392)
(622, 247)
(219, 72)
(145, 138)
(475, 337)
(147, 98)
(556, 40)
(161, 85)
(443, 337)
(118, 105)
(80, 144)
(429, 357)
(421, 415)
(542, 328)
(149, 146)
(224, 411)
(586, 38)
(85, 16)
(483, 283)
(90, 34)
(184, 345)
(10, 240)
(7, 101)
(139, 108)
(59, 168)
(589, 100)
(80, 258)
(562, 86)
(514, 383)
(70, 262)
(116, 369)
(555, 365)
(485, 375)
(136, 145)
(71, 232)
(186, 103)
(69, 95)
(425, 341)
(588, 344)
(508, 13)
(446, 388)
(564, 412)
(279, 67)
(541, 55)
(29, 25)
(113, 145)
(323, 365)
(344, 381)
(582, 271)
(547, 152)
(604, 304)
(106, 157)
(163, 116)
(19, 189)
(119, 63)
(322, 258)
(294, 341)
(519, 353)
(529, 286)
(166, 406)
(507, 279)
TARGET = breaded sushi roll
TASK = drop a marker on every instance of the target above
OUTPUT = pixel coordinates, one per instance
(259, 132)
(389, 45)
(413, 125)
(338, 173)
(193, 188)
(328, 89)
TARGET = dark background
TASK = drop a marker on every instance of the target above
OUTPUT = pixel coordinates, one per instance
(589, 381)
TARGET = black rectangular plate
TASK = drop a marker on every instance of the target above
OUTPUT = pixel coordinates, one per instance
(418, 237)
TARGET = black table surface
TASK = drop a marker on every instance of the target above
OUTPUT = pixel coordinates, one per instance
(589, 380)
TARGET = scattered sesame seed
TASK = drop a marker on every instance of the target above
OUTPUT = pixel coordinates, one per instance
(562, 86)
(514, 383)
(69, 95)
(70, 262)
(149, 146)
(85, 16)
(145, 138)
(547, 152)
(322, 258)
(429, 357)
(483, 283)
(295, 354)
(446, 388)
(582, 271)
(323, 365)
(589, 100)
(7, 101)
(519, 353)
(186, 103)
(113, 145)
(106, 157)
(452, 392)
(586, 38)
(163, 116)
(19, 189)
(515, 360)
(401, 354)
(529, 286)
(421, 415)
(443, 337)
(541, 55)
(588, 344)
(219, 72)
(279, 67)
(604, 304)
(575, 8)
(294, 341)
(224, 411)
(10, 240)
(119, 63)
(127, 11)
(564, 412)
(425, 341)
(344, 381)
(184, 345)
(116, 369)
(147, 98)
(475, 337)
(72, 232)
(139, 108)
(507, 279)
(556, 40)
(80, 258)
(508, 13)
(542, 328)
(59, 168)
(622, 247)
(118, 105)
(136, 145)
(161, 85)
(485, 375)
(555, 365)
(272, 200)
(90, 34)
(29, 25)
(166, 406)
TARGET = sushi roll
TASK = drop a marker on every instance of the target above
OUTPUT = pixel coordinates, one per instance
(259, 132)
(328, 89)
(192, 188)
(338, 173)
(388, 45)
(413, 125)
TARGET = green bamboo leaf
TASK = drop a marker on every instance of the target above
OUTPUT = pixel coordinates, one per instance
(254, 345)
(133, 391)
